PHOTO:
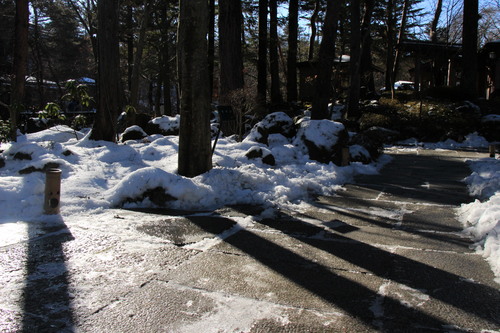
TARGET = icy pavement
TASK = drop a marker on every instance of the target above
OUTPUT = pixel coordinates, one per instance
(385, 254)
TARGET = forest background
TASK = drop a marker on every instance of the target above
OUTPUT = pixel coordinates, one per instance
(252, 52)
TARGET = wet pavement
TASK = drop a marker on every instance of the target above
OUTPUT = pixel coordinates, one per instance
(385, 254)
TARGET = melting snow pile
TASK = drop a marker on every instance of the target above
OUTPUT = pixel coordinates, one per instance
(481, 218)
(97, 175)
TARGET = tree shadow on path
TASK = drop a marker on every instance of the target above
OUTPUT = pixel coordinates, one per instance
(46, 297)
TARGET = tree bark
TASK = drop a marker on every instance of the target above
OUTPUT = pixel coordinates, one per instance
(276, 97)
(211, 46)
(354, 90)
(20, 64)
(195, 154)
(130, 47)
(389, 37)
(110, 95)
(312, 38)
(164, 66)
(434, 38)
(293, 30)
(262, 54)
(435, 21)
(401, 34)
(323, 84)
(469, 46)
(136, 69)
(366, 70)
(230, 52)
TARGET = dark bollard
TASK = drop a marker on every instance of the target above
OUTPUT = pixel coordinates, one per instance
(345, 156)
(492, 150)
(52, 191)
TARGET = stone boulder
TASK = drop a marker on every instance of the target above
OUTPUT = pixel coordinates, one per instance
(133, 133)
(358, 153)
(164, 125)
(373, 140)
(262, 153)
(490, 125)
(323, 140)
(273, 123)
(157, 196)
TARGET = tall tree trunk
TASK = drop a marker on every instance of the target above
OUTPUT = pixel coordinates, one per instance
(108, 76)
(37, 52)
(136, 70)
(354, 90)
(434, 38)
(312, 38)
(276, 97)
(130, 47)
(211, 46)
(20, 64)
(323, 84)
(230, 53)
(469, 46)
(402, 28)
(435, 21)
(293, 31)
(262, 54)
(158, 91)
(195, 153)
(389, 36)
(164, 66)
(366, 67)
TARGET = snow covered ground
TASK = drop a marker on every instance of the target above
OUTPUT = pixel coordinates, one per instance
(481, 218)
(97, 175)
(100, 175)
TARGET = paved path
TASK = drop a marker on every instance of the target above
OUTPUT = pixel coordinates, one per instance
(386, 254)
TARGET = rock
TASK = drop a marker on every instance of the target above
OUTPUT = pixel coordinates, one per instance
(263, 153)
(2, 162)
(164, 125)
(158, 196)
(323, 140)
(133, 133)
(22, 156)
(358, 153)
(277, 122)
(31, 169)
(382, 135)
(489, 128)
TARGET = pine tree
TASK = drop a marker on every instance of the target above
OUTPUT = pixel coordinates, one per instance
(195, 155)
(110, 93)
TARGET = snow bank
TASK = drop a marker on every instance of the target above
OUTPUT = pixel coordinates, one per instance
(481, 218)
(97, 175)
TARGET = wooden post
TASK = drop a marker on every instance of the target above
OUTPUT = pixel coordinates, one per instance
(492, 150)
(345, 156)
(52, 191)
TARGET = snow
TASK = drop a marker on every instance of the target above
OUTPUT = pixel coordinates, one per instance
(481, 218)
(167, 123)
(322, 132)
(97, 175)
(491, 118)
(472, 140)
